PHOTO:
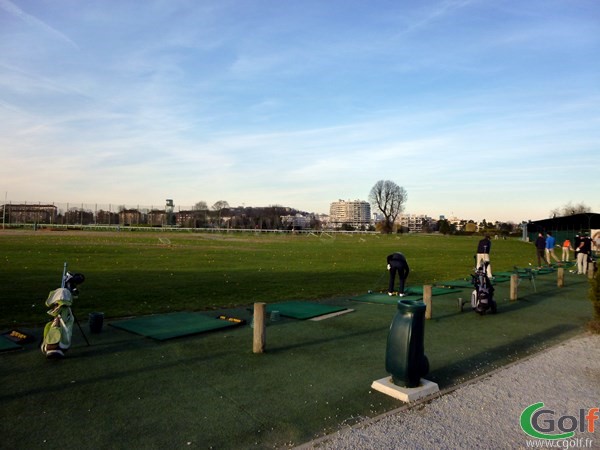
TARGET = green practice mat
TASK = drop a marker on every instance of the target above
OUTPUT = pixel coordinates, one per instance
(303, 310)
(541, 271)
(454, 284)
(169, 326)
(383, 298)
(434, 290)
(508, 274)
(412, 293)
(500, 277)
(6, 344)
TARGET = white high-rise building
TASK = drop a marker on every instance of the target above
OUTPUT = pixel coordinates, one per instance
(355, 213)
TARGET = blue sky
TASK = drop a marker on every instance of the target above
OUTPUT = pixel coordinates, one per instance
(479, 109)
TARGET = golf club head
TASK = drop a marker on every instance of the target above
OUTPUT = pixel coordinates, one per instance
(72, 280)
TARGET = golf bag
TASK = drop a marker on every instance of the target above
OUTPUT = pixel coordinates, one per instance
(482, 297)
(58, 332)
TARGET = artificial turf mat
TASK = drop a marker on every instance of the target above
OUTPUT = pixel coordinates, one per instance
(418, 290)
(455, 284)
(412, 293)
(500, 277)
(168, 326)
(303, 310)
(6, 344)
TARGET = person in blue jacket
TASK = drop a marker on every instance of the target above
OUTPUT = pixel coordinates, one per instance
(550, 243)
(397, 264)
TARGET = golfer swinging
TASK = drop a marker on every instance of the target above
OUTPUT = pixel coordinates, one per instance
(396, 263)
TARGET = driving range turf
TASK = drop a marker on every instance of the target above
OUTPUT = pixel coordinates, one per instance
(127, 390)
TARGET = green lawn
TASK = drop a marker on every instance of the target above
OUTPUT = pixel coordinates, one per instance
(133, 273)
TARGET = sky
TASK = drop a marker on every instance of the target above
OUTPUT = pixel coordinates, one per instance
(478, 109)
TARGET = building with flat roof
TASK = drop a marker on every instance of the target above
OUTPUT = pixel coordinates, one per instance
(414, 222)
(356, 214)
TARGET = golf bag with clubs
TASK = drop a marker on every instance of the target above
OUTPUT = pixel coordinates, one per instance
(58, 332)
(482, 297)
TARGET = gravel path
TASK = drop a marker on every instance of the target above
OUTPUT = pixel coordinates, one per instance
(484, 414)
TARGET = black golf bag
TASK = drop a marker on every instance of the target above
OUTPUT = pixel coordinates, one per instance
(58, 332)
(482, 297)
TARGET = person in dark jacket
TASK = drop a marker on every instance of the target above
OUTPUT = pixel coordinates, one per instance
(396, 264)
(583, 252)
(483, 255)
(540, 248)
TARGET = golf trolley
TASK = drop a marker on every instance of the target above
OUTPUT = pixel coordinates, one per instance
(58, 332)
(482, 297)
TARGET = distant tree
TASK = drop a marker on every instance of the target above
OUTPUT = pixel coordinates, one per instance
(444, 226)
(389, 198)
(506, 228)
(470, 227)
(219, 208)
(220, 205)
(200, 214)
(570, 210)
(427, 226)
(201, 206)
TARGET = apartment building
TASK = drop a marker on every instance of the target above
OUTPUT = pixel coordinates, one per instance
(355, 213)
(414, 222)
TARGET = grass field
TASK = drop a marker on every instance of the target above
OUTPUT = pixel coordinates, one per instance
(134, 273)
(210, 390)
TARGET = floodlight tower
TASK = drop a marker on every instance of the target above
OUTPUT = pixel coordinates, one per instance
(169, 210)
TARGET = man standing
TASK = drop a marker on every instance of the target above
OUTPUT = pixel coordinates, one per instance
(396, 264)
(566, 250)
(583, 251)
(550, 242)
(483, 254)
(540, 248)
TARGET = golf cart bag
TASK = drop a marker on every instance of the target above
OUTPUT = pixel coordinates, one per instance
(58, 332)
(482, 297)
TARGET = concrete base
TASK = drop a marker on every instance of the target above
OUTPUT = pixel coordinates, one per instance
(386, 386)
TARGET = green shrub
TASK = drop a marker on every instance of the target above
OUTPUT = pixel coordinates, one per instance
(595, 299)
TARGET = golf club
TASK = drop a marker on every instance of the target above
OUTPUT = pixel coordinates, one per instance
(370, 291)
(65, 275)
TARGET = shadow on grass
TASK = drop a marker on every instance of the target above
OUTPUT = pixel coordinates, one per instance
(328, 340)
(62, 386)
(487, 360)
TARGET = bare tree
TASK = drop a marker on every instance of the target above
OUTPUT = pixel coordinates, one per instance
(219, 206)
(201, 206)
(389, 198)
(570, 210)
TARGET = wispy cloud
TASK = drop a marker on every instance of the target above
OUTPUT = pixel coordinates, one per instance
(33, 21)
(260, 103)
(440, 10)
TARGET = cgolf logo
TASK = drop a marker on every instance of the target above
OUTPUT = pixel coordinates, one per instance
(542, 423)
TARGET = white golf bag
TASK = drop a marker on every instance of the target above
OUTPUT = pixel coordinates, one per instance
(59, 331)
